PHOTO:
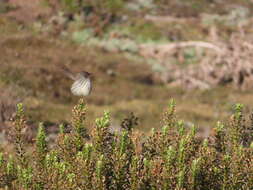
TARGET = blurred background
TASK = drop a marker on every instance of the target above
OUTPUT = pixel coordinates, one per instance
(141, 52)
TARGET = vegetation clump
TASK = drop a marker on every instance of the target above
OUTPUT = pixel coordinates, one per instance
(170, 158)
(95, 14)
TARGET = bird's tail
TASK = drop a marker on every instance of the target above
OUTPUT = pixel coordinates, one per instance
(66, 71)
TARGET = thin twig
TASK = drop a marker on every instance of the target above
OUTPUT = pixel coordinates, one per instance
(169, 47)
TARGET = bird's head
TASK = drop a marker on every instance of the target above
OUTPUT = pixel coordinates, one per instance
(84, 74)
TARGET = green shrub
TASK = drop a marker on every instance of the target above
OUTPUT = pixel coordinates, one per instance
(94, 14)
(170, 158)
(112, 6)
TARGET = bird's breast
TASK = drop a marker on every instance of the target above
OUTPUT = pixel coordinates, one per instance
(81, 87)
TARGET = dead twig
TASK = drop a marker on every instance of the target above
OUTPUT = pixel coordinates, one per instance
(168, 19)
(169, 47)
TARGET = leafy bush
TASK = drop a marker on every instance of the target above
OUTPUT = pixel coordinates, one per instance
(96, 14)
(88, 5)
(170, 158)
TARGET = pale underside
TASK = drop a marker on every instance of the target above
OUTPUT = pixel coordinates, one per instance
(81, 87)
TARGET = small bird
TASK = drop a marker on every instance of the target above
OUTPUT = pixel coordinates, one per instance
(82, 82)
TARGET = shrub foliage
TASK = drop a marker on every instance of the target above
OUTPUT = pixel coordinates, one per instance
(96, 14)
(170, 158)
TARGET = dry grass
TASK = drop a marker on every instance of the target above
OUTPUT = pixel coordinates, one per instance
(28, 64)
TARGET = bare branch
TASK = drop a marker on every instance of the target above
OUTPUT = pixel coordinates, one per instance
(169, 47)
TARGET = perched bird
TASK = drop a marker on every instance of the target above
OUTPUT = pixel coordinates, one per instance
(82, 82)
